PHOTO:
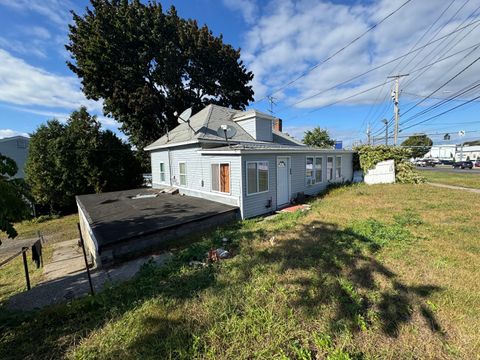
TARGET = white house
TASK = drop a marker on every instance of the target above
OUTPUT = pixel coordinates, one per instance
(16, 148)
(242, 158)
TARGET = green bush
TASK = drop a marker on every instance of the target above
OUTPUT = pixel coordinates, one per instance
(369, 156)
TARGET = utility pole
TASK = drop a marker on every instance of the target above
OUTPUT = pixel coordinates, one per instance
(385, 121)
(369, 134)
(395, 96)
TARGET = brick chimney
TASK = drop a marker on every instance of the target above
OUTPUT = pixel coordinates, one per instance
(277, 125)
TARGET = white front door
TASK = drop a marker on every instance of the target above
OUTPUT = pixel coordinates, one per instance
(283, 183)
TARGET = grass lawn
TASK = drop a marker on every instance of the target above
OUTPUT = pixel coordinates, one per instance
(12, 275)
(457, 179)
(55, 230)
(380, 272)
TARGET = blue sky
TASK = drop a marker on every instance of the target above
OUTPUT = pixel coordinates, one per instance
(280, 40)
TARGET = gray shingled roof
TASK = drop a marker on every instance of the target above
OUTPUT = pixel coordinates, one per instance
(203, 126)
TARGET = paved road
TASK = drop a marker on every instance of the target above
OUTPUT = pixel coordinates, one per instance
(450, 170)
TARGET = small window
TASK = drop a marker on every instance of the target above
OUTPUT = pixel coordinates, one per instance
(309, 174)
(329, 167)
(318, 169)
(221, 178)
(257, 177)
(162, 172)
(183, 173)
(338, 167)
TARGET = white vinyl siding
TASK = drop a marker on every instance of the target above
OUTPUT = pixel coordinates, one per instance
(318, 169)
(162, 172)
(257, 177)
(329, 168)
(338, 167)
(182, 173)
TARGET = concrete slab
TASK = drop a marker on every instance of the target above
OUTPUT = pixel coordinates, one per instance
(67, 260)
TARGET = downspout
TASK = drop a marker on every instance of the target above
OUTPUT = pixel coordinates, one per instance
(169, 168)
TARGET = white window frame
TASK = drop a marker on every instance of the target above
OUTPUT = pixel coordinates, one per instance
(219, 163)
(317, 181)
(180, 174)
(310, 180)
(338, 168)
(333, 168)
(258, 182)
(162, 172)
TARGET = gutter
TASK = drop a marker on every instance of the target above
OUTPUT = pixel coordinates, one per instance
(275, 151)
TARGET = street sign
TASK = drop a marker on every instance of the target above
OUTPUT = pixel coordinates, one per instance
(338, 145)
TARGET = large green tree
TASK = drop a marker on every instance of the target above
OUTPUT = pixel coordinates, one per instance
(77, 158)
(318, 137)
(146, 64)
(13, 206)
(419, 145)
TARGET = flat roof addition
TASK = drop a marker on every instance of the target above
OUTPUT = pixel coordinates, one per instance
(124, 215)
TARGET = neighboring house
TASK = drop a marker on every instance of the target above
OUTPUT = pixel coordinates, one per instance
(16, 148)
(242, 158)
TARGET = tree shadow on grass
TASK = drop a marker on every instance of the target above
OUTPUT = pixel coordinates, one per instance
(347, 277)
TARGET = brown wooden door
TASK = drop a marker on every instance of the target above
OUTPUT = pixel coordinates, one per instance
(225, 178)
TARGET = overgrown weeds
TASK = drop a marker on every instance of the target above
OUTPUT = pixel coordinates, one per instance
(328, 287)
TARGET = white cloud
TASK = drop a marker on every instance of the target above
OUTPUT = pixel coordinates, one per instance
(56, 11)
(247, 8)
(5, 133)
(23, 84)
(20, 47)
(63, 116)
(291, 36)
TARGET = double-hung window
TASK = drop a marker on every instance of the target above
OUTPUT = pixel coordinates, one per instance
(257, 177)
(318, 169)
(182, 172)
(329, 167)
(162, 172)
(221, 177)
(313, 170)
(309, 173)
(338, 167)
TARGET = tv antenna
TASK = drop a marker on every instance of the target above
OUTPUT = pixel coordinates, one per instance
(272, 102)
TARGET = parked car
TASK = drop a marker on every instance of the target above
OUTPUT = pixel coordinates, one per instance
(447, 162)
(477, 163)
(463, 164)
(424, 162)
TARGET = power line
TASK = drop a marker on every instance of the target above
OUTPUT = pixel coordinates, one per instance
(442, 113)
(336, 52)
(349, 97)
(383, 65)
(431, 39)
(461, 92)
(442, 52)
(444, 84)
(438, 31)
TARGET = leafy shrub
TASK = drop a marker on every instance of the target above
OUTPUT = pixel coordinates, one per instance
(369, 156)
(405, 173)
